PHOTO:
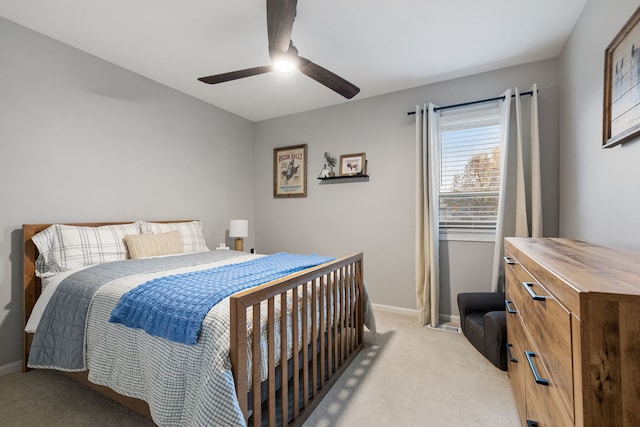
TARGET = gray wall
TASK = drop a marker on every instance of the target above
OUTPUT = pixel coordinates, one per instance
(84, 140)
(377, 217)
(599, 188)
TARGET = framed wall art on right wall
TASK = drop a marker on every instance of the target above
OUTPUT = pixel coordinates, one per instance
(621, 112)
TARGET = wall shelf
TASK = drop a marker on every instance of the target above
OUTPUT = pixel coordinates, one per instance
(346, 178)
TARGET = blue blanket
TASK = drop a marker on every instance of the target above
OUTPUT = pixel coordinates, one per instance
(174, 307)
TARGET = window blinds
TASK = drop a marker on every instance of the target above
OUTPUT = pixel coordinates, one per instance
(469, 169)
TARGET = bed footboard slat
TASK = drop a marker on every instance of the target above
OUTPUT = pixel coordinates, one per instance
(330, 330)
(347, 310)
(323, 329)
(256, 366)
(296, 347)
(352, 310)
(271, 365)
(336, 320)
(343, 318)
(284, 388)
(305, 346)
(314, 339)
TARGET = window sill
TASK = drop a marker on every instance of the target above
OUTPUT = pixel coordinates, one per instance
(469, 237)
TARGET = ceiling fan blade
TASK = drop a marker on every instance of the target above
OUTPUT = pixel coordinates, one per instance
(234, 75)
(280, 17)
(327, 78)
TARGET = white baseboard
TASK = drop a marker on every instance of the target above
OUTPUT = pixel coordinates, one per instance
(11, 368)
(450, 318)
(392, 309)
(444, 318)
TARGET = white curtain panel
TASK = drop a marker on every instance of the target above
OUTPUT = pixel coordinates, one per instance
(427, 215)
(528, 204)
(522, 218)
(498, 269)
(536, 186)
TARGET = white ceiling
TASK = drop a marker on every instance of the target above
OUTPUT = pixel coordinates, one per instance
(381, 46)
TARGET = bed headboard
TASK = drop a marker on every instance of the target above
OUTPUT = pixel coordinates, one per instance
(31, 284)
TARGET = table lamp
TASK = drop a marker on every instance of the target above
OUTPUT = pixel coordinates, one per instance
(238, 228)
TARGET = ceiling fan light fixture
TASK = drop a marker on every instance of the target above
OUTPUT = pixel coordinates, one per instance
(284, 65)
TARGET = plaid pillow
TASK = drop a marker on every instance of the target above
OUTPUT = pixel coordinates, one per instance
(66, 247)
(190, 233)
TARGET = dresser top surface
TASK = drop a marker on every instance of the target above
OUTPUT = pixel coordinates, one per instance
(584, 266)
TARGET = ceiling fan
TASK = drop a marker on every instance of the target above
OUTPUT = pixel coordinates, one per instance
(280, 17)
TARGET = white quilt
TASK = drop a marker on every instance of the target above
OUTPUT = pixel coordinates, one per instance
(186, 385)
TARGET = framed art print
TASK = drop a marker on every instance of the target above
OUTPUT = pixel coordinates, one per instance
(621, 112)
(352, 164)
(290, 171)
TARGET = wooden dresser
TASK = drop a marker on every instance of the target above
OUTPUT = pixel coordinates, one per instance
(573, 330)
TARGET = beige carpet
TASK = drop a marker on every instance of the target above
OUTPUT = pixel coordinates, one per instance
(410, 376)
(415, 376)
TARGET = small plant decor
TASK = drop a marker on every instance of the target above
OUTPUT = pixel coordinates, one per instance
(330, 161)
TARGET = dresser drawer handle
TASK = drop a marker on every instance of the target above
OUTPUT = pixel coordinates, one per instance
(507, 304)
(534, 371)
(509, 354)
(531, 423)
(529, 287)
(509, 260)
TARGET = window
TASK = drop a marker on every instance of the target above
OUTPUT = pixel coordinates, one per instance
(469, 172)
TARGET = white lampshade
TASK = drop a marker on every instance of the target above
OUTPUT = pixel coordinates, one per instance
(238, 228)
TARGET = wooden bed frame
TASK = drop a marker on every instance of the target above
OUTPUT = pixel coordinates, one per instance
(336, 335)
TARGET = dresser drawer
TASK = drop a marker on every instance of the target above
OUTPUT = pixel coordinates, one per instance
(513, 272)
(516, 363)
(548, 323)
(543, 406)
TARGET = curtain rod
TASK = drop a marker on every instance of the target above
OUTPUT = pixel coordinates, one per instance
(464, 104)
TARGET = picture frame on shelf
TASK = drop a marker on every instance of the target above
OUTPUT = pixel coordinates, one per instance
(621, 110)
(353, 164)
(290, 171)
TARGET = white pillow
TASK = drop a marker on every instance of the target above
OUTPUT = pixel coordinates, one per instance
(190, 233)
(67, 247)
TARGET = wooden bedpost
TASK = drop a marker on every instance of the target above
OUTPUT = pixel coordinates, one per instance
(238, 336)
(31, 284)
